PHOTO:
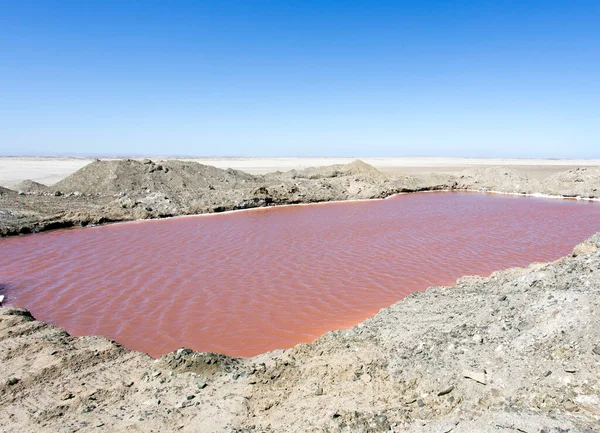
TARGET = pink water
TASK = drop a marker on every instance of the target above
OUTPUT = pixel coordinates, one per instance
(247, 282)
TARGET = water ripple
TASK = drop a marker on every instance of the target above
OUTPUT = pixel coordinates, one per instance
(247, 282)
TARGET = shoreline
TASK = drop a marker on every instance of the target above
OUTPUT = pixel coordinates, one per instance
(207, 214)
(80, 200)
(261, 375)
(517, 348)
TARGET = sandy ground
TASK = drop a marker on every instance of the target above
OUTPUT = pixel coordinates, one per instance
(43, 170)
(51, 170)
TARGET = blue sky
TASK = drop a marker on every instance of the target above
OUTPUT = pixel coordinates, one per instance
(301, 78)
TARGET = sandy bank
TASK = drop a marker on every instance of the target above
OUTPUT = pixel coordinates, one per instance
(516, 351)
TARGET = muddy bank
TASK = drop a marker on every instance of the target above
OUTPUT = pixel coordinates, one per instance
(123, 190)
(518, 351)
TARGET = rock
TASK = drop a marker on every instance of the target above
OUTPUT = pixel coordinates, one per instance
(420, 403)
(502, 298)
(477, 376)
(201, 385)
(446, 391)
(190, 397)
(448, 427)
(483, 403)
(186, 403)
(57, 193)
(12, 381)
(319, 391)
(596, 350)
(584, 249)
(571, 407)
(570, 370)
(366, 378)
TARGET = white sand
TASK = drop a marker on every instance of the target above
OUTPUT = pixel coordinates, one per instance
(43, 170)
(50, 170)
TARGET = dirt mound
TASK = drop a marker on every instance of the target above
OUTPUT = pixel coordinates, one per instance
(583, 181)
(357, 168)
(139, 178)
(577, 175)
(6, 191)
(499, 178)
(29, 185)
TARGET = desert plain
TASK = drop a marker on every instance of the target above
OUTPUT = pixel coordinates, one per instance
(49, 170)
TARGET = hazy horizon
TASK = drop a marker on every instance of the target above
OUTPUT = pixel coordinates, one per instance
(416, 157)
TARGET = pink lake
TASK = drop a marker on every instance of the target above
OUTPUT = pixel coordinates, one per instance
(247, 282)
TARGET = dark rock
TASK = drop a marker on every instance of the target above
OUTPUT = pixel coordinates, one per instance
(446, 391)
(380, 419)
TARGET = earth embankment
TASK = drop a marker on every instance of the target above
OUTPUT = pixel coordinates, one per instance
(123, 190)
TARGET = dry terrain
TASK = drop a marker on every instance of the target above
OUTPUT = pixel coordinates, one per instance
(516, 352)
(51, 170)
